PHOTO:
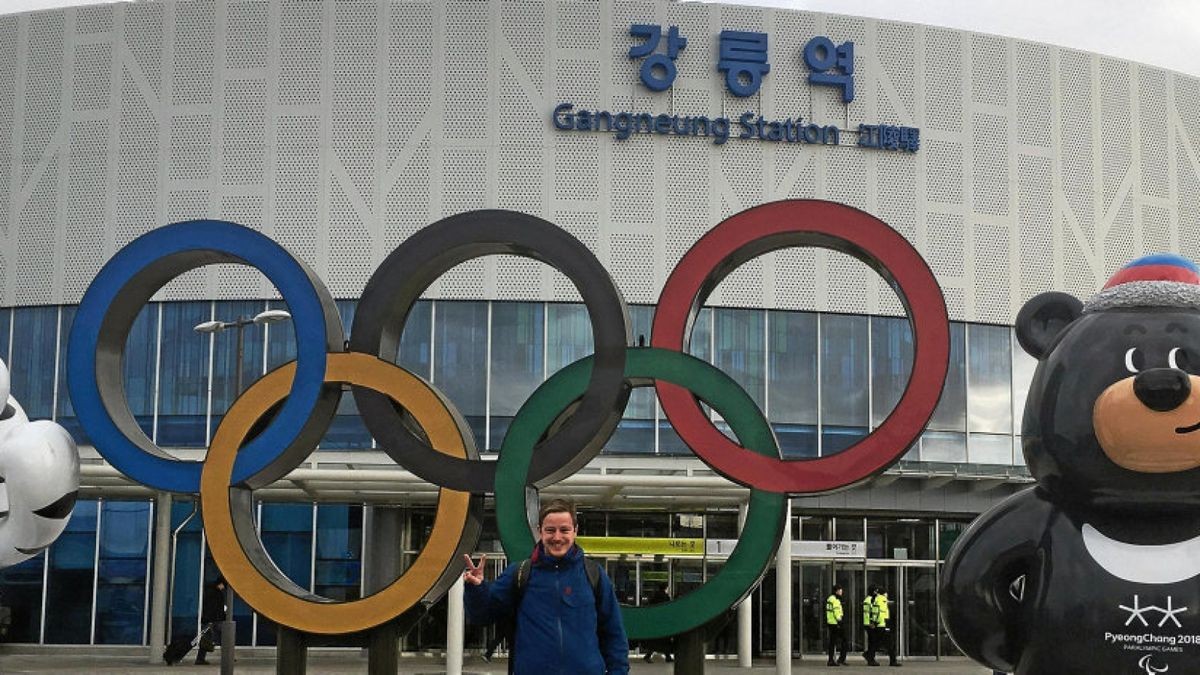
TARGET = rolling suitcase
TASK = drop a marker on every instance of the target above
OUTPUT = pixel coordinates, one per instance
(179, 648)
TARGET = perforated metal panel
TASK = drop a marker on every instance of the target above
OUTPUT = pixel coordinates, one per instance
(340, 128)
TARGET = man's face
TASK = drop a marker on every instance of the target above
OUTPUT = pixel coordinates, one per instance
(558, 533)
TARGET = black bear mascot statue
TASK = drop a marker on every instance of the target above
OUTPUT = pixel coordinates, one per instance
(1096, 569)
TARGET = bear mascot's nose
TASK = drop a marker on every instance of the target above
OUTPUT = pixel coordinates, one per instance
(1162, 389)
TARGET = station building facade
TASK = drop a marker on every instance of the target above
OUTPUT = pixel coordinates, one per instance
(340, 128)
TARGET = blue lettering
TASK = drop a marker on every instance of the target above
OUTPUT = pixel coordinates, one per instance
(720, 130)
(621, 123)
(566, 122)
(747, 128)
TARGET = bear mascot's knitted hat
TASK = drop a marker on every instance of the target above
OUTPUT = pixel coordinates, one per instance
(1157, 280)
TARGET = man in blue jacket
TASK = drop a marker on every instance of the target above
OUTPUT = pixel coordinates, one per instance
(563, 624)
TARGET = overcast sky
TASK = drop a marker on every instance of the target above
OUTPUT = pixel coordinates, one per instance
(1160, 32)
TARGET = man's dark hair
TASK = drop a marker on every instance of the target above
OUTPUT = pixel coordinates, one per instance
(836, 588)
(557, 506)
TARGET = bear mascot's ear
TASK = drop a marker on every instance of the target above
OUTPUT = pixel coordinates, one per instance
(1043, 319)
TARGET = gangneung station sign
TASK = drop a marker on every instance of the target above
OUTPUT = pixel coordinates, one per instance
(744, 63)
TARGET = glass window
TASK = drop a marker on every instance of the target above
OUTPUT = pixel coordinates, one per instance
(225, 368)
(636, 432)
(844, 388)
(592, 523)
(848, 528)
(891, 364)
(183, 384)
(460, 359)
(815, 528)
(121, 579)
(989, 375)
(700, 345)
(943, 446)
(21, 593)
(286, 532)
(518, 360)
(721, 525)
(64, 412)
(951, 412)
(339, 551)
(948, 533)
(1024, 367)
(5, 324)
(347, 431)
(639, 524)
(568, 335)
(69, 584)
(185, 580)
(792, 381)
(281, 339)
(140, 361)
(902, 539)
(989, 449)
(34, 339)
(738, 348)
(62, 402)
(415, 350)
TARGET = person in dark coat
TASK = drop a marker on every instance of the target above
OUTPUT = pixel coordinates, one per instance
(563, 624)
(212, 613)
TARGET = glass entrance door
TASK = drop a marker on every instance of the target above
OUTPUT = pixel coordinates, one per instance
(816, 580)
(920, 611)
(912, 604)
(889, 580)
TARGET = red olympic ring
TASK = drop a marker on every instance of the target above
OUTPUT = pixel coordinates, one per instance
(783, 224)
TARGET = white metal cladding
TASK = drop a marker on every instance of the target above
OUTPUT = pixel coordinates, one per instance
(342, 127)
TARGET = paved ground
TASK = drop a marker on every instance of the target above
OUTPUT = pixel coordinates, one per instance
(73, 660)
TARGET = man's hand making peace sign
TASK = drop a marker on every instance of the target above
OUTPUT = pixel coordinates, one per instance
(474, 573)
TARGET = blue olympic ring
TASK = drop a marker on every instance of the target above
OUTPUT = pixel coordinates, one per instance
(126, 284)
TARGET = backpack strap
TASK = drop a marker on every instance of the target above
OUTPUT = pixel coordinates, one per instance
(522, 580)
(592, 568)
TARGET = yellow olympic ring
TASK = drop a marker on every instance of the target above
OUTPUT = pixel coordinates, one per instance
(263, 586)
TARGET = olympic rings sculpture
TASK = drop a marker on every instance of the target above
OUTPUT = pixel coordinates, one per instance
(279, 419)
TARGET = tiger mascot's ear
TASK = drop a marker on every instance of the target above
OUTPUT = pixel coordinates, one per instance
(1044, 319)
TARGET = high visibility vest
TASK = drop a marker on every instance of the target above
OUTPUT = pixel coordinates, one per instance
(881, 602)
(870, 611)
(833, 610)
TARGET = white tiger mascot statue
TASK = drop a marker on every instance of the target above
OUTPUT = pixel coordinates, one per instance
(39, 480)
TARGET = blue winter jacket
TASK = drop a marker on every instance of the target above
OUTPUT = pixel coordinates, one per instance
(559, 628)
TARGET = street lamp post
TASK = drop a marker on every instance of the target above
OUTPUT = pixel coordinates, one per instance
(228, 627)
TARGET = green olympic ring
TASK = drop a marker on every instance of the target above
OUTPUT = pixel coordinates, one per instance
(763, 528)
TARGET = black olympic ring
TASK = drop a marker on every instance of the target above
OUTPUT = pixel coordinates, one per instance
(416, 263)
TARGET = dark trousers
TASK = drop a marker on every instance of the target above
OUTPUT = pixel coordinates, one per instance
(887, 638)
(837, 638)
(872, 640)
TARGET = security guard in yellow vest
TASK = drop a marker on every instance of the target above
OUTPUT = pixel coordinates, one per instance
(871, 630)
(833, 623)
(885, 627)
